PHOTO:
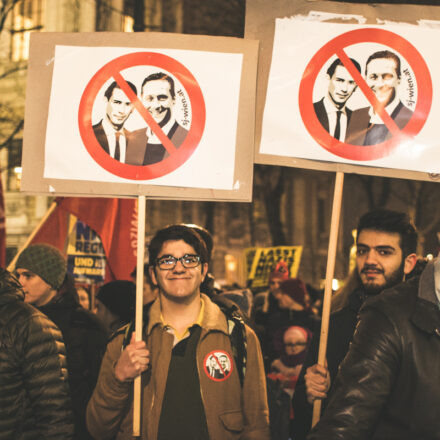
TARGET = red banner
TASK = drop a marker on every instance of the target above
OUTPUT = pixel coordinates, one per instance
(54, 230)
(115, 221)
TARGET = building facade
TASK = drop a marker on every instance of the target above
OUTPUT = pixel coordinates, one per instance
(305, 202)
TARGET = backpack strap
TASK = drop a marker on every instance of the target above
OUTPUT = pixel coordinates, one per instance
(237, 333)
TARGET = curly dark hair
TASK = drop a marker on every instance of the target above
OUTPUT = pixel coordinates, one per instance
(386, 220)
(177, 232)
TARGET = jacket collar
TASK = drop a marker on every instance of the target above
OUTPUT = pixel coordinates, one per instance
(10, 288)
(426, 313)
(11, 296)
(356, 299)
(213, 317)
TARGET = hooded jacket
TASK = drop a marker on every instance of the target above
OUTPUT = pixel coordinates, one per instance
(232, 411)
(388, 386)
(34, 396)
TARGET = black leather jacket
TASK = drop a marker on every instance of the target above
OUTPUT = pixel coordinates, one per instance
(388, 386)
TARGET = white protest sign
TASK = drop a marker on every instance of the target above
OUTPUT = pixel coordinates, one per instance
(382, 124)
(205, 107)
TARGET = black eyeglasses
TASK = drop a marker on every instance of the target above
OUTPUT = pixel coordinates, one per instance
(168, 262)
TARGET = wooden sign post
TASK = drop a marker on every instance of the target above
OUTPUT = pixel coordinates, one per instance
(333, 241)
(137, 403)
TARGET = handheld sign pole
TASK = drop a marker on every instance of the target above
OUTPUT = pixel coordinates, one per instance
(334, 227)
(139, 305)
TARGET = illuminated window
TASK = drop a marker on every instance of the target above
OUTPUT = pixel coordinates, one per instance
(128, 16)
(127, 25)
(26, 17)
(14, 165)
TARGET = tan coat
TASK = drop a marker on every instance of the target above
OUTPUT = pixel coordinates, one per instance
(232, 411)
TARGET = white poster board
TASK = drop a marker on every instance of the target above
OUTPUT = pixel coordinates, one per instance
(163, 115)
(264, 24)
(296, 123)
(203, 105)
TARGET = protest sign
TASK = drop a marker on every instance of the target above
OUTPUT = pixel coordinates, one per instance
(261, 261)
(293, 79)
(397, 130)
(196, 145)
(85, 254)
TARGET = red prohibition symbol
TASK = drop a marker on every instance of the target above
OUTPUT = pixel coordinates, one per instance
(336, 47)
(218, 365)
(113, 70)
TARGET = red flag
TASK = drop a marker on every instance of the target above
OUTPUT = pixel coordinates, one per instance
(54, 230)
(115, 221)
(2, 228)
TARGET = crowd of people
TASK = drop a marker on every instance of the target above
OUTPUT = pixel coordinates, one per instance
(224, 363)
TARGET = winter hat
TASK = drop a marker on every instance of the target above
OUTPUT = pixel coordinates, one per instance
(281, 271)
(45, 261)
(296, 289)
(243, 299)
(120, 298)
(293, 359)
(299, 332)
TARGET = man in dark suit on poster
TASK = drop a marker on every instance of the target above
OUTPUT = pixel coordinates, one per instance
(110, 131)
(382, 74)
(331, 110)
(158, 96)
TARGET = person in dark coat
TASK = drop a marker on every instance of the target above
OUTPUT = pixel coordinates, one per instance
(388, 386)
(386, 244)
(294, 303)
(115, 304)
(34, 395)
(42, 273)
(264, 304)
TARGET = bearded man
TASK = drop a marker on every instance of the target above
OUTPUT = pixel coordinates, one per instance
(386, 244)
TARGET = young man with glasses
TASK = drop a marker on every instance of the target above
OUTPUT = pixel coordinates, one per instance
(185, 332)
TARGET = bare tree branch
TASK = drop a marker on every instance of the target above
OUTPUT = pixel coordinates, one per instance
(12, 70)
(16, 130)
(6, 8)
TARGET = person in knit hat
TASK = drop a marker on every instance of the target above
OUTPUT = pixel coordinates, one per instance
(265, 305)
(294, 309)
(41, 268)
(279, 274)
(242, 298)
(42, 272)
(115, 302)
(265, 302)
(292, 294)
(291, 346)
